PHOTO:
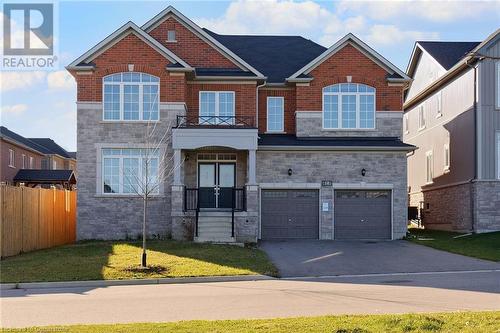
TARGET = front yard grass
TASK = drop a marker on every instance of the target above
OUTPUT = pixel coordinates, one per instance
(464, 322)
(484, 246)
(121, 260)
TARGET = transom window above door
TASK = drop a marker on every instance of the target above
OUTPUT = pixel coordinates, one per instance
(131, 96)
(348, 106)
(216, 108)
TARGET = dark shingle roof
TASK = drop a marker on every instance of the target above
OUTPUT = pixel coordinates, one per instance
(292, 140)
(277, 57)
(33, 175)
(72, 154)
(448, 53)
(51, 146)
(5, 132)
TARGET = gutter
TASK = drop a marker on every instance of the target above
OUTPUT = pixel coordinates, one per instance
(336, 148)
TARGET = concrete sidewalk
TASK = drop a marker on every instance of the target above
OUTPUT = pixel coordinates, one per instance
(386, 293)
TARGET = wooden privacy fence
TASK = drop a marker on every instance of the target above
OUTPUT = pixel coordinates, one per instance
(35, 218)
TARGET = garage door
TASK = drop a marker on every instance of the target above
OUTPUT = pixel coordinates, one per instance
(362, 214)
(289, 214)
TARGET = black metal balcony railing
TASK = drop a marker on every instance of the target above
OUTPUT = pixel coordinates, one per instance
(216, 121)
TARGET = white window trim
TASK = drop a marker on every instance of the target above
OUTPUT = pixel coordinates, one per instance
(497, 151)
(339, 108)
(439, 102)
(446, 156)
(12, 158)
(217, 93)
(141, 106)
(120, 175)
(31, 162)
(427, 155)
(497, 85)
(23, 161)
(407, 123)
(282, 115)
(172, 40)
(54, 165)
(421, 107)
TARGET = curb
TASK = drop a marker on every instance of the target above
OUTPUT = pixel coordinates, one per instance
(108, 283)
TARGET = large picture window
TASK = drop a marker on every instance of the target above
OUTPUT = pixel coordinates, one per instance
(349, 106)
(216, 107)
(131, 96)
(124, 171)
(275, 114)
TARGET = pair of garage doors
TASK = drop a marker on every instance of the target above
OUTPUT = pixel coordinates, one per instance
(294, 214)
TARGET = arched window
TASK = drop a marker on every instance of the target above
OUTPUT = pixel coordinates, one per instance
(131, 96)
(348, 106)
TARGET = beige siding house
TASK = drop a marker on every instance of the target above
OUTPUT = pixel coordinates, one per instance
(452, 114)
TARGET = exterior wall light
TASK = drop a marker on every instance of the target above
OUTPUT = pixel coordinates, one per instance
(363, 172)
(290, 171)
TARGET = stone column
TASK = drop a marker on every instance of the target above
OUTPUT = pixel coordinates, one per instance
(177, 167)
(251, 167)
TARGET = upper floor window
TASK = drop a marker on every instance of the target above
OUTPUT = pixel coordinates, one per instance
(407, 123)
(11, 158)
(429, 167)
(439, 102)
(124, 171)
(349, 106)
(421, 117)
(23, 160)
(446, 150)
(171, 36)
(31, 162)
(498, 84)
(275, 114)
(54, 165)
(131, 96)
(217, 107)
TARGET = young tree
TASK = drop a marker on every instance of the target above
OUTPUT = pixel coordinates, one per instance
(157, 167)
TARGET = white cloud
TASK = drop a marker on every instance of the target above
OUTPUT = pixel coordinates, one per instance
(436, 11)
(271, 16)
(14, 109)
(61, 80)
(17, 80)
(381, 34)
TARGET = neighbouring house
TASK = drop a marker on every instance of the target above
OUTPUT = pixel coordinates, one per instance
(452, 113)
(275, 137)
(22, 156)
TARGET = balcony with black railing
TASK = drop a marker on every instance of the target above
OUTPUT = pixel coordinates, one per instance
(215, 122)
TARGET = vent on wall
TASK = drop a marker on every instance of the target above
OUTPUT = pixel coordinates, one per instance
(171, 36)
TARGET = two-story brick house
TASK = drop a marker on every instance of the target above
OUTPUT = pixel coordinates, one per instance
(274, 136)
(452, 113)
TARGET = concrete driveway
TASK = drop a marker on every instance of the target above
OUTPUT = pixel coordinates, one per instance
(306, 258)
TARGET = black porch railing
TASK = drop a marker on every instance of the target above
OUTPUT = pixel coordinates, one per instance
(216, 121)
(192, 203)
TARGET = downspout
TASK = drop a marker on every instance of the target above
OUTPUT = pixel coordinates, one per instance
(476, 133)
(257, 104)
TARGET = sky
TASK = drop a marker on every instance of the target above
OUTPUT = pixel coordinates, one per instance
(42, 104)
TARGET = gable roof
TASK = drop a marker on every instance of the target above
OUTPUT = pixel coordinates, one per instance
(51, 147)
(16, 138)
(447, 54)
(45, 176)
(193, 27)
(277, 57)
(83, 61)
(363, 47)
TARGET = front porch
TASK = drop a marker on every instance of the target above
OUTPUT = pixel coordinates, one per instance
(214, 193)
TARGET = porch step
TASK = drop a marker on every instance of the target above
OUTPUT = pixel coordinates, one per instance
(214, 227)
(211, 239)
(208, 213)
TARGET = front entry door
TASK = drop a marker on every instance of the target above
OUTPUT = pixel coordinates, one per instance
(216, 181)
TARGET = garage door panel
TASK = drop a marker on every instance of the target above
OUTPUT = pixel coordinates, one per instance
(362, 214)
(289, 214)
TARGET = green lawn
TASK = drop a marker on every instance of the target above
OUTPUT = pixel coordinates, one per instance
(120, 260)
(463, 322)
(484, 246)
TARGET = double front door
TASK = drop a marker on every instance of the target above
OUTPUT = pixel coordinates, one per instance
(216, 182)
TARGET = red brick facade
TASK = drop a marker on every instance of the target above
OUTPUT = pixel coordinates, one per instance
(189, 47)
(174, 87)
(349, 62)
(289, 109)
(8, 172)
